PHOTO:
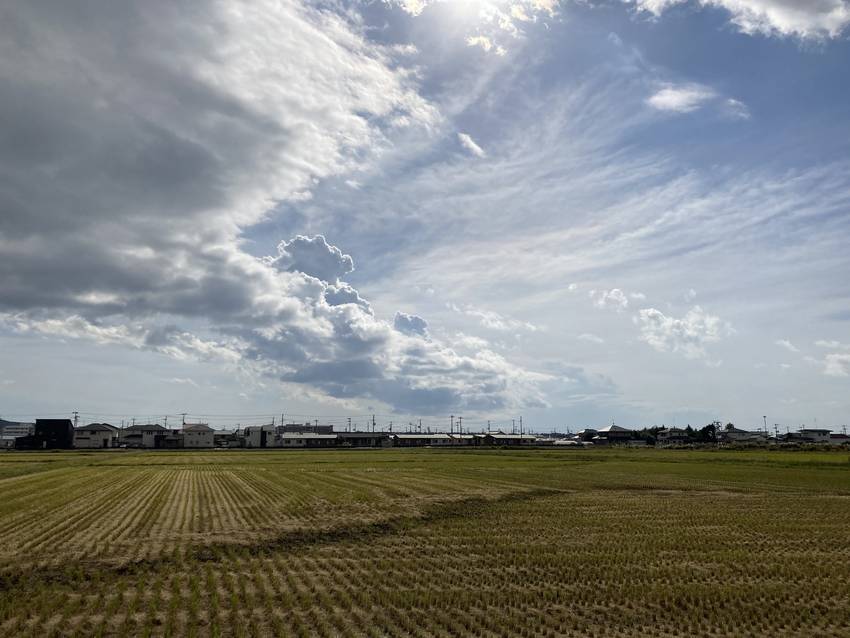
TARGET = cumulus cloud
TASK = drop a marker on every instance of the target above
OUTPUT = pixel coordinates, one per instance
(681, 98)
(313, 256)
(790, 347)
(410, 324)
(805, 19)
(837, 365)
(688, 336)
(469, 144)
(614, 298)
(124, 197)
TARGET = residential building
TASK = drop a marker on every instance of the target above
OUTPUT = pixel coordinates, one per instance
(511, 440)
(48, 434)
(96, 436)
(306, 440)
(421, 439)
(672, 436)
(10, 430)
(363, 439)
(259, 436)
(612, 435)
(198, 435)
(732, 435)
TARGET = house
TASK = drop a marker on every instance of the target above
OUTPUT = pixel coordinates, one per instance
(586, 434)
(815, 435)
(306, 440)
(463, 439)
(731, 434)
(421, 440)
(306, 427)
(96, 436)
(363, 439)
(226, 438)
(613, 434)
(198, 435)
(672, 436)
(839, 439)
(10, 430)
(141, 435)
(500, 438)
(48, 434)
(259, 436)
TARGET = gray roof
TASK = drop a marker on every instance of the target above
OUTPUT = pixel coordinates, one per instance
(614, 428)
(95, 427)
(306, 435)
(197, 427)
(147, 427)
(410, 435)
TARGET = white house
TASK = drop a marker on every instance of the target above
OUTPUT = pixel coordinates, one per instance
(198, 435)
(96, 436)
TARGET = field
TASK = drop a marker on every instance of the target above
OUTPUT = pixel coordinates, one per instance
(425, 543)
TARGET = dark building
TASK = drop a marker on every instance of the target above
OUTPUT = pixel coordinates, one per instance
(306, 427)
(48, 434)
(363, 439)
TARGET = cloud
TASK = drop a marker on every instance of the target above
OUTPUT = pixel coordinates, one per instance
(591, 338)
(689, 335)
(736, 109)
(837, 365)
(790, 347)
(410, 324)
(614, 298)
(125, 197)
(469, 144)
(495, 321)
(835, 345)
(684, 98)
(313, 256)
(805, 19)
(485, 43)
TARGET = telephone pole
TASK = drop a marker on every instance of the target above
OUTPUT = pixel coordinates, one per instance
(76, 418)
(452, 424)
(460, 425)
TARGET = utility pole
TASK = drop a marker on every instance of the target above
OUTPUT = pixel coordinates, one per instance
(765, 425)
(513, 426)
(183, 414)
(452, 424)
(349, 425)
(460, 425)
(76, 418)
(165, 422)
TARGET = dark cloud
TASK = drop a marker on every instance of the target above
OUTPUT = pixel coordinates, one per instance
(138, 143)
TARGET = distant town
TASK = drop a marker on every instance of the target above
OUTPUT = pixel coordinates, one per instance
(64, 434)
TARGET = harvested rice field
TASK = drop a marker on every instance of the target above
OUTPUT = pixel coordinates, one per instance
(425, 543)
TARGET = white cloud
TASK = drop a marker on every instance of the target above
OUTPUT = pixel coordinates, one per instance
(736, 109)
(835, 345)
(837, 365)
(790, 347)
(614, 298)
(688, 335)
(591, 338)
(815, 19)
(683, 98)
(469, 144)
(495, 321)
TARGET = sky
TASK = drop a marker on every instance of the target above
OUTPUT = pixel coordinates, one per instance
(574, 212)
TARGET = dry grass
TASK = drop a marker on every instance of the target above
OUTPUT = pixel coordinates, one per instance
(425, 543)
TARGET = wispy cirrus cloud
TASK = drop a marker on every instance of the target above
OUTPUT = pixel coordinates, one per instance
(812, 19)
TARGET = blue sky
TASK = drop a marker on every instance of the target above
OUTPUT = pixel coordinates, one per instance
(575, 212)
